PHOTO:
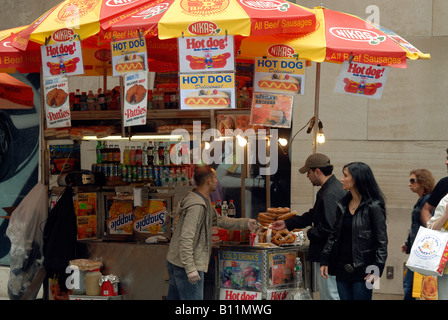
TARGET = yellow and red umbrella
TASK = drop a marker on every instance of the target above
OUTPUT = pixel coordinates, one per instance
(14, 94)
(338, 37)
(76, 17)
(176, 18)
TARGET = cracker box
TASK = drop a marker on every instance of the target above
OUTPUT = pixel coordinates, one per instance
(85, 205)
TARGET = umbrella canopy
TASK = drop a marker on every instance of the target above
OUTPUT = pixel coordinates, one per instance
(177, 18)
(70, 17)
(14, 94)
(338, 37)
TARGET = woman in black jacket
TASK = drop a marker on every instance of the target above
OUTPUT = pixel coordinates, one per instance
(356, 250)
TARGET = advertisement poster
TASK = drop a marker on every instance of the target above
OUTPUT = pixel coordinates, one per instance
(64, 158)
(239, 270)
(207, 91)
(129, 56)
(120, 216)
(151, 218)
(212, 53)
(362, 80)
(285, 76)
(62, 59)
(85, 210)
(57, 104)
(271, 110)
(281, 267)
(135, 98)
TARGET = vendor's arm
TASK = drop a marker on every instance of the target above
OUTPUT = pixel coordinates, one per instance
(193, 216)
(302, 221)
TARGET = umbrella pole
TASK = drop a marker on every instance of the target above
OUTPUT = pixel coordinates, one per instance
(316, 107)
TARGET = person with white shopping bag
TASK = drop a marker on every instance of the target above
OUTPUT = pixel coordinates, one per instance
(421, 182)
(439, 221)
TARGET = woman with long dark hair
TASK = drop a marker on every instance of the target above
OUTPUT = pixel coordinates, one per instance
(356, 250)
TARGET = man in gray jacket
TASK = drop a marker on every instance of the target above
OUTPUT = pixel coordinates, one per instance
(191, 245)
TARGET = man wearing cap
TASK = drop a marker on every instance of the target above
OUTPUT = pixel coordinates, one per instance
(321, 217)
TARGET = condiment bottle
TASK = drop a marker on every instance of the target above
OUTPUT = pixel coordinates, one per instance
(92, 282)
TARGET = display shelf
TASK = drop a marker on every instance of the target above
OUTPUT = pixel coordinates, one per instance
(153, 114)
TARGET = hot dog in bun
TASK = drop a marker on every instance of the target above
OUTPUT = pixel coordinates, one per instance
(130, 63)
(207, 99)
(279, 83)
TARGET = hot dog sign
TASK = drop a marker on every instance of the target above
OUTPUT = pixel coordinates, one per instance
(129, 56)
(207, 91)
(286, 76)
(362, 80)
(209, 54)
(62, 59)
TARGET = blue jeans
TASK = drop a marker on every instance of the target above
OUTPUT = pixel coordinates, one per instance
(356, 290)
(327, 288)
(408, 282)
(179, 287)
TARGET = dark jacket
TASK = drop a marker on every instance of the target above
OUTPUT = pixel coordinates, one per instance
(321, 217)
(369, 234)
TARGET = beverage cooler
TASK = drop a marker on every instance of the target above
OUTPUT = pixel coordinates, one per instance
(256, 273)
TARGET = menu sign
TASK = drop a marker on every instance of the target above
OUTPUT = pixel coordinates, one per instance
(212, 54)
(271, 110)
(135, 98)
(207, 91)
(62, 59)
(129, 56)
(57, 105)
(285, 76)
(362, 80)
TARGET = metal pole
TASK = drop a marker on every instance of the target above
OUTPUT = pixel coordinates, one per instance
(316, 107)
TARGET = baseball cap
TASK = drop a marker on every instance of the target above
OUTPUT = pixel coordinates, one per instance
(316, 160)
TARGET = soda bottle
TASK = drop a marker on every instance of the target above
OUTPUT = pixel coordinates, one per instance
(150, 153)
(116, 155)
(218, 206)
(126, 155)
(232, 209)
(132, 156)
(161, 154)
(90, 101)
(224, 208)
(138, 156)
(83, 101)
(105, 153)
(101, 100)
(99, 155)
(77, 101)
(145, 155)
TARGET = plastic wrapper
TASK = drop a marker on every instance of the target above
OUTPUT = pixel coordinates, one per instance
(25, 231)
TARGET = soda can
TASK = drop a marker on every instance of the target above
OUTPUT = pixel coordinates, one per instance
(157, 176)
(94, 167)
(113, 172)
(119, 171)
(145, 173)
(109, 171)
(124, 172)
(134, 173)
(139, 173)
(129, 173)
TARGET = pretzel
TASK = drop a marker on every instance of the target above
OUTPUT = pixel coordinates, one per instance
(278, 210)
(284, 236)
(287, 215)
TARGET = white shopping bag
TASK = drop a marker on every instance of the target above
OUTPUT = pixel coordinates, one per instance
(429, 253)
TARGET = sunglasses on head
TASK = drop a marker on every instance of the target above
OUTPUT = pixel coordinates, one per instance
(411, 181)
